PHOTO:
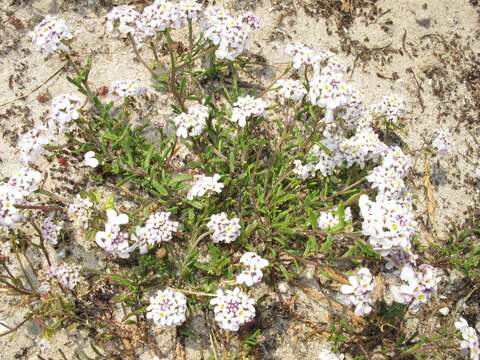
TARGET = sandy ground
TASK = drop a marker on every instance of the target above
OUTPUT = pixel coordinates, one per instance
(424, 50)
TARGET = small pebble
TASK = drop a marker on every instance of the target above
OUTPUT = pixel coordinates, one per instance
(444, 311)
(283, 287)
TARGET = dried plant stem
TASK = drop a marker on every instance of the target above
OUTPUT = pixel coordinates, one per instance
(12, 330)
(137, 54)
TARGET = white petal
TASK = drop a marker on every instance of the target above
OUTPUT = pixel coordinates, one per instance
(122, 219)
(91, 162)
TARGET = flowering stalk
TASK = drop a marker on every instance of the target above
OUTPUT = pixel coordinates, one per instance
(173, 72)
(137, 54)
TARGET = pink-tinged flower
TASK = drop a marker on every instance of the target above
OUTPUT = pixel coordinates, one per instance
(233, 308)
(167, 308)
(360, 291)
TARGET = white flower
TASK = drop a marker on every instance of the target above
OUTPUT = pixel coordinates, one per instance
(25, 181)
(113, 239)
(116, 219)
(233, 308)
(9, 214)
(68, 276)
(388, 224)
(252, 273)
(362, 147)
(360, 291)
(224, 229)
(390, 186)
(229, 34)
(330, 91)
(417, 286)
(158, 228)
(291, 89)
(245, 107)
(304, 56)
(392, 107)
(205, 184)
(167, 308)
(31, 144)
(127, 88)
(303, 171)
(160, 16)
(192, 122)
(122, 20)
(325, 158)
(191, 9)
(397, 160)
(90, 160)
(470, 342)
(51, 230)
(442, 141)
(79, 211)
(64, 110)
(328, 220)
(51, 35)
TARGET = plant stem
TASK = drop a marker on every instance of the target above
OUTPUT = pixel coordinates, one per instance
(173, 73)
(44, 208)
(12, 330)
(198, 293)
(137, 54)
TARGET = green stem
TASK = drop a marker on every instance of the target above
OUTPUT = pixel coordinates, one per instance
(173, 73)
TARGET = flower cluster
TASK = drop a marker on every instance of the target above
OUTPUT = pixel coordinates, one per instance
(253, 265)
(79, 211)
(64, 110)
(392, 107)
(68, 276)
(330, 91)
(113, 240)
(12, 193)
(224, 229)
(51, 35)
(233, 308)
(354, 113)
(325, 158)
(192, 122)
(230, 34)
(291, 89)
(303, 56)
(417, 287)
(245, 107)
(205, 184)
(32, 143)
(469, 343)
(441, 141)
(51, 230)
(127, 88)
(158, 228)
(122, 20)
(362, 147)
(388, 225)
(328, 220)
(360, 291)
(167, 308)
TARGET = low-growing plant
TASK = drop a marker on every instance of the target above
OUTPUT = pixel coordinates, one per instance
(246, 181)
